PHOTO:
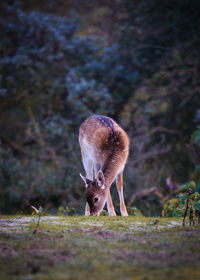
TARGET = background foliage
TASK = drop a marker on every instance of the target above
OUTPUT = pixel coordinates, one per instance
(61, 61)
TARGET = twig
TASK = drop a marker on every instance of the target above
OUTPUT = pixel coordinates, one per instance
(186, 208)
(38, 212)
(39, 216)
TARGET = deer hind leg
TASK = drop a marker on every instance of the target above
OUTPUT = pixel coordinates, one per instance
(110, 207)
(119, 183)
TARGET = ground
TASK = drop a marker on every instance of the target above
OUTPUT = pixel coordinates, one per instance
(104, 247)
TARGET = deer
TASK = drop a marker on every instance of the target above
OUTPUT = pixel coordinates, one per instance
(104, 150)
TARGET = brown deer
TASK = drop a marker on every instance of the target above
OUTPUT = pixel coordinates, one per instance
(104, 148)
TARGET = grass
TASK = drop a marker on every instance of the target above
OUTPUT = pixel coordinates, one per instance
(104, 247)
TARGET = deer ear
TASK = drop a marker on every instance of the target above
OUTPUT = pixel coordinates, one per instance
(85, 180)
(100, 180)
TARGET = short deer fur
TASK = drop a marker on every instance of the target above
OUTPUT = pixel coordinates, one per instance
(104, 148)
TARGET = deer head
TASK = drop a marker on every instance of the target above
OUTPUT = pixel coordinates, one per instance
(95, 193)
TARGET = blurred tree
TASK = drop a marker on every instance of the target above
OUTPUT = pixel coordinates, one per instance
(61, 61)
(45, 95)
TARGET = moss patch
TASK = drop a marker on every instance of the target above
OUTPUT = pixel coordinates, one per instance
(98, 247)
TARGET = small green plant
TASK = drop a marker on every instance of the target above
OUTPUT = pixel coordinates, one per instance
(134, 211)
(155, 223)
(70, 211)
(61, 211)
(104, 213)
(184, 203)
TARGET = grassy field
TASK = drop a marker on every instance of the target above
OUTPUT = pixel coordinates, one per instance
(104, 247)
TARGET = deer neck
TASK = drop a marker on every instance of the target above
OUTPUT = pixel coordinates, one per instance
(109, 170)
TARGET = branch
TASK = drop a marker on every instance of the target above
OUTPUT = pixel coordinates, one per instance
(152, 155)
(187, 99)
(162, 129)
(22, 150)
(194, 153)
(143, 193)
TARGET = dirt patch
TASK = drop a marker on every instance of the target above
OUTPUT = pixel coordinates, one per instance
(104, 233)
(6, 250)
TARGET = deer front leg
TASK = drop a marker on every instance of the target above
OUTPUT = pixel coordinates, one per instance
(87, 163)
(87, 209)
(110, 207)
(119, 183)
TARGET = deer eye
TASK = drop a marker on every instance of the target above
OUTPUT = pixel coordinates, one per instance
(96, 199)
